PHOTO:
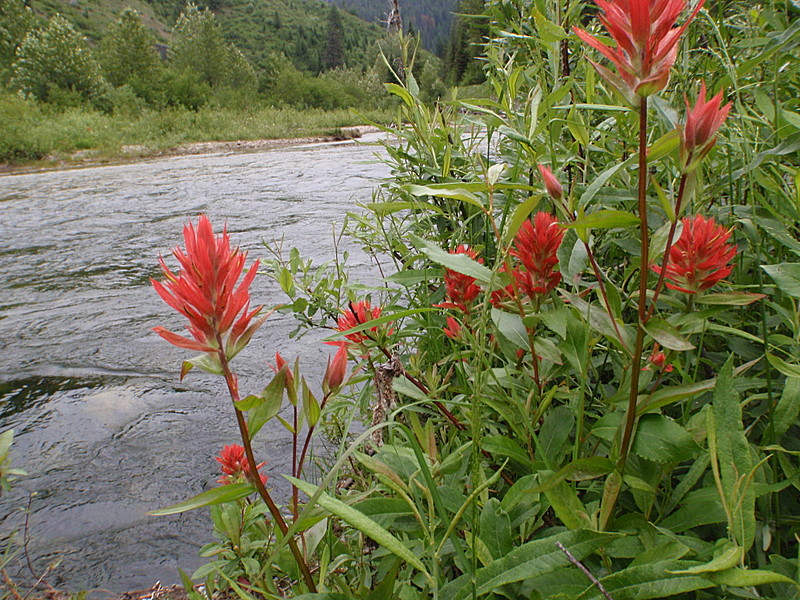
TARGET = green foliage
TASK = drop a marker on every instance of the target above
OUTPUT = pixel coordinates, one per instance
(128, 55)
(333, 55)
(56, 60)
(200, 47)
(16, 20)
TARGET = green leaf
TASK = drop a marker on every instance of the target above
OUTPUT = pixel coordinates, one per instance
(605, 219)
(787, 410)
(6, 439)
(266, 410)
(731, 459)
(456, 192)
(581, 469)
(667, 143)
(787, 276)
(726, 560)
(597, 183)
(249, 403)
(400, 91)
(511, 327)
(461, 263)
(363, 523)
(660, 439)
(666, 335)
(555, 431)
(745, 578)
(218, 495)
(781, 365)
(524, 562)
(521, 214)
(496, 529)
(647, 582)
(729, 299)
(500, 445)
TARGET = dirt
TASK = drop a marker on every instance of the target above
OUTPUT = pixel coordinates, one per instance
(89, 158)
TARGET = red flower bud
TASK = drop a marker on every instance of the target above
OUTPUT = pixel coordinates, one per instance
(551, 184)
(337, 369)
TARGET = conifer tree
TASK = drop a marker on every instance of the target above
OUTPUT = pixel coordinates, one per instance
(333, 54)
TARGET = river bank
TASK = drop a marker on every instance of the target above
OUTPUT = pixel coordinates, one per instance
(139, 152)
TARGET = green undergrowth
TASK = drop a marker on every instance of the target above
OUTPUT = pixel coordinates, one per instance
(31, 132)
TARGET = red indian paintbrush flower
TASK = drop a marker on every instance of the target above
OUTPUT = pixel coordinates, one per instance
(536, 245)
(205, 291)
(699, 133)
(235, 466)
(551, 184)
(357, 313)
(453, 329)
(647, 43)
(699, 259)
(461, 289)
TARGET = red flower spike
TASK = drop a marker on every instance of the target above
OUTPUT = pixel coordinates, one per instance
(337, 369)
(699, 133)
(357, 313)
(536, 246)
(551, 184)
(647, 42)
(699, 259)
(461, 289)
(235, 466)
(453, 329)
(205, 291)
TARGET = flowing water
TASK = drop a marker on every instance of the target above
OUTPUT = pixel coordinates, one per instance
(103, 427)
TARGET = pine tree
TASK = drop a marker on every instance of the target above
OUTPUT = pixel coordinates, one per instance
(333, 53)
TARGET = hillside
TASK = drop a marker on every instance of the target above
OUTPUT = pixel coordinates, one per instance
(432, 19)
(296, 28)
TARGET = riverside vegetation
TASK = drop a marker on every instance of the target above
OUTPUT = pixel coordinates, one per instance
(580, 375)
(59, 93)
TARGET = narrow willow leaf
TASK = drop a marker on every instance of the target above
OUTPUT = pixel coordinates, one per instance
(781, 365)
(495, 527)
(500, 445)
(787, 409)
(566, 504)
(400, 91)
(460, 263)
(524, 562)
(666, 335)
(597, 183)
(521, 214)
(363, 523)
(453, 193)
(726, 560)
(264, 411)
(385, 208)
(745, 578)
(605, 219)
(731, 450)
(218, 495)
(667, 143)
(729, 299)
(787, 276)
(648, 582)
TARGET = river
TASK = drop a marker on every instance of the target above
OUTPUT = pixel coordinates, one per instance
(103, 427)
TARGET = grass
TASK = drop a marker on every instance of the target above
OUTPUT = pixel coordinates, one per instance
(30, 133)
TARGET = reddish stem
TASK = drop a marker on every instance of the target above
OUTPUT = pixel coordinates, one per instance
(233, 390)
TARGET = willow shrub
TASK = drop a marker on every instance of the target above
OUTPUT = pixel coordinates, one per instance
(580, 373)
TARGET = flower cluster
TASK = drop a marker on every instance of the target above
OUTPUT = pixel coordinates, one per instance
(356, 313)
(461, 289)
(699, 133)
(535, 246)
(205, 291)
(699, 259)
(647, 43)
(235, 466)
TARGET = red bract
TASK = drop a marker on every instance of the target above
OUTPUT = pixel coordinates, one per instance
(699, 259)
(235, 466)
(453, 329)
(336, 370)
(536, 245)
(647, 43)
(551, 184)
(699, 133)
(461, 289)
(205, 291)
(357, 313)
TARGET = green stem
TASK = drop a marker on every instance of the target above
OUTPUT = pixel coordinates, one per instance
(233, 390)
